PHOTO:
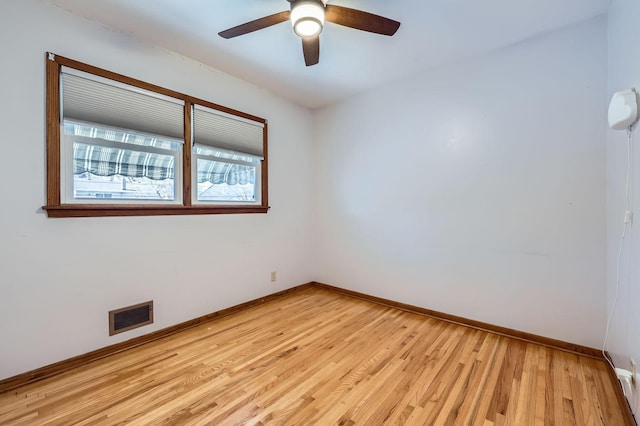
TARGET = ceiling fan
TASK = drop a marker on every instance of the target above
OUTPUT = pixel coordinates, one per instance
(308, 18)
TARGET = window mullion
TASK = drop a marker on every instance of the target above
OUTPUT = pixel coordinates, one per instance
(187, 149)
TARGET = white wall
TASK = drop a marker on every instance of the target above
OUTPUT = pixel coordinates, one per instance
(60, 277)
(477, 189)
(624, 73)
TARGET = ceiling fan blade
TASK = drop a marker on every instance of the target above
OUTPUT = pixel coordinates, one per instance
(311, 50)
(256, 25)
(360, 20)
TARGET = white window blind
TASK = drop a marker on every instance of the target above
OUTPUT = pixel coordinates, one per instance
(92, 100)
(223, 131)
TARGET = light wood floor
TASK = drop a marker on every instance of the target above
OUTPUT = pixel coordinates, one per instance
(316, 357)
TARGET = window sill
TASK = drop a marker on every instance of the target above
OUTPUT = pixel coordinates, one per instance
(100, 210)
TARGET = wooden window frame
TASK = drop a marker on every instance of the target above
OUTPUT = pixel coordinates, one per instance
(55, 208)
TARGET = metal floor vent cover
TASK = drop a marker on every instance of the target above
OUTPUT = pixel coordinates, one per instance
(125, 319)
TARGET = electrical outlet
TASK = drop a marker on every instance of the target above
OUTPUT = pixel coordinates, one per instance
(633, 371)
(274, 277)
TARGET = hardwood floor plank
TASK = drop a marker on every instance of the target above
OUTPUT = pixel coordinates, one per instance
(540, 387)
(554, 389)
(508, 373)
(317, 357)
(524, 412)
(495, 361)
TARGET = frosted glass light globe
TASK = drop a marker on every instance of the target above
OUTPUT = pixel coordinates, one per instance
(307, 17)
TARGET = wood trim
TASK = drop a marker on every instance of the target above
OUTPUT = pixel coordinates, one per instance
(80, 66)
(264, 177)
(186, 156)
(55, 209)
(61, 60)
(93, 210)
(53, 130)
(222, 108)
(80, 360)
(496, 329)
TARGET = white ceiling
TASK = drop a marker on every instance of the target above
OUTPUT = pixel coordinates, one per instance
(433, 33)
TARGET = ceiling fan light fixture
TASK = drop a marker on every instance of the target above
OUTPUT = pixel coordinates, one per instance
(307, 17)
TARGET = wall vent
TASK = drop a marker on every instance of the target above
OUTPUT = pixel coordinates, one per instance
(125, 319)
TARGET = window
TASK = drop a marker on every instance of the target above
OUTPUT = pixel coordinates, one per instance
(121, 147)
(115, 164)
(227, 152)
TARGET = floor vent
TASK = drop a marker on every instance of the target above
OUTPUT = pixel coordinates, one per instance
(125, 319)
